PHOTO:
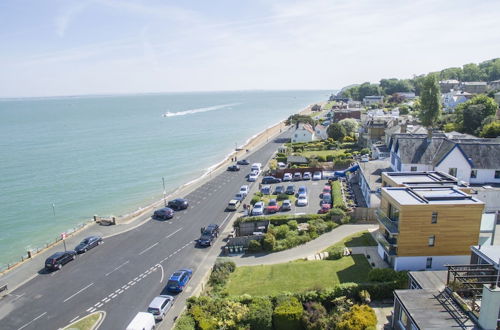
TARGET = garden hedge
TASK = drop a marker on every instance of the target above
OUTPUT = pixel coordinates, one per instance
(288, 314)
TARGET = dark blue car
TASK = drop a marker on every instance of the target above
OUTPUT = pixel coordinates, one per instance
(178, 280)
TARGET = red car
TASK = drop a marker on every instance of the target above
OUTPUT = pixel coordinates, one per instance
(325, 208)
(273, 206)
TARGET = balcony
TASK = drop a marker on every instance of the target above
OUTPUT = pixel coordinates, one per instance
(391, 226)
(387, 244)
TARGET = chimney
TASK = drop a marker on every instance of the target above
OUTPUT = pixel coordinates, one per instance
(403, 127)
(490, 305)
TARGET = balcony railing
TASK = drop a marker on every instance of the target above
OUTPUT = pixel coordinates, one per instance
(386, 244)
(391, 226)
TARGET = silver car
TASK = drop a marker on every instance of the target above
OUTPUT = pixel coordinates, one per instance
(160, 306)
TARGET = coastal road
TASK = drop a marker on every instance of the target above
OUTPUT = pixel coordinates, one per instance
(123, 275)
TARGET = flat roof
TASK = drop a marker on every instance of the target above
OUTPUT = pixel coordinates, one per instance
(422, 178)
(428, 312)
(373, 169)
(490, 253)
(431, 280)
(429, 195)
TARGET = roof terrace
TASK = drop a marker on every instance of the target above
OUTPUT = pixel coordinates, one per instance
(429, 195)
(419, 179)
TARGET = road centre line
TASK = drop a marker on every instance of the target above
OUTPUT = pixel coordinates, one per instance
(126, 262)
(78, 292)
(149, 248)
(36, 318)
(227, 216)
(175, 232)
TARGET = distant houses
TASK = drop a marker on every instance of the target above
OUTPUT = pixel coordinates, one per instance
(373, 99)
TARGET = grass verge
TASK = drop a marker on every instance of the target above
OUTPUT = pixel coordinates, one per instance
(86, 323)
(363, 238)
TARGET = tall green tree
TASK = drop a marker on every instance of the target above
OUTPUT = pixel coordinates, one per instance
(350, 125)
(430, 102)
(451, 73)
(491, 130)
(472, 72)
(336, 131)
(393, 85)
(471, 114)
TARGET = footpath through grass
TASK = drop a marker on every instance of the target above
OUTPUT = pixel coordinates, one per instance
(363, 238)
(298, 276)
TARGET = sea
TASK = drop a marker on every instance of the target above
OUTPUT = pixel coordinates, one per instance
(65, 159)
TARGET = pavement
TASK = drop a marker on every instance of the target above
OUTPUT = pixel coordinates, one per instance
(122, 276)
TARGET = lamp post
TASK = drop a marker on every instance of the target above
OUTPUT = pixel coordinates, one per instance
(164, 192)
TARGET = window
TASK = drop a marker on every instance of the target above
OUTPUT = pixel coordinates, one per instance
(428, 263)
(432, 240)
(473, 174)
(393, 213)
(434, 218)
(452, 171)
(413, 168)
(497, 174)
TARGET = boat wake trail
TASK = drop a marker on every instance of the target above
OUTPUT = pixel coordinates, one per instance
(192, 111)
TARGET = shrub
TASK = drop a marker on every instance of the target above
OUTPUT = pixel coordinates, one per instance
(259, 194)
(315, 316)
(293, 224)
(330, 158)
(383, 275)
(269, 242)
(365, 151)
(282, 231)
(185, 322)
(281, 159)
(282, 197)
(288, 314)
(321, 158)
(359, 317)
(338, 201)
(364, 297)
(260, 314)
(254, 246)
(220, 273)
(254, 200)
(335, 253)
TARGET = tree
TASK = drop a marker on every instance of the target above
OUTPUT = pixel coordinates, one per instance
(404, 109)
(430, 102)
(471, 114)
(393, 85)
(350, 125)
(472, 72)
(491, 130)
(451, 73)
(336, 131)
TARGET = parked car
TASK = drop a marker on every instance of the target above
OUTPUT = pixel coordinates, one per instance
(326, 199)
(325, 208)
(58, 259)
(273, 206)
(233, 168)
(317, 175)
(208, 235)
(233, 205)
(279, 190)
(256, 167)
(281, 165)
(164, 213)
(302, 190)
(88, 243)
(270, 179)
(287, 177)
(243, 162)
(302, 200)
(244, 190)
(290, 190)
(239, 196)
(266, 190)
(258, 208)
(297, 176)
(160, 306)
(306, 176)
(142, 321)
(178, 280)
(365, 158)
(286, 205)
(178, 204)
(252, 177)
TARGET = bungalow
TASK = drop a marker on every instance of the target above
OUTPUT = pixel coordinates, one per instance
(303, 133)
(474, 87)
(373, 99)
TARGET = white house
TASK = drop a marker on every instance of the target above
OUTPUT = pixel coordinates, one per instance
(303, 133)
(373, 99)
(453, 98)
(320, 132)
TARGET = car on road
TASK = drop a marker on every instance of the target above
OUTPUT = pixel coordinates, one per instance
(270, 179)
(279, 190)
(258, 208)
(164, 213)
(88, 243)
(256, 167)
(297, 176)
(266, 190)
(244, 190)
(208, 235)
(273, 206)
(317, 176)
(160, 306)
(290, 190)
(302, 200)
(178, 280)
(178, 204)
(58, 259)
(142, 321)
(243, 162)
(286, 205)
(287, 177)
(239, 196)
(307, 176)
(233, 168)
(302, 190)
(233, 205)
(252, 177)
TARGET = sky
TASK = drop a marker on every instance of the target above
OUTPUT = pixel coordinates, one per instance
(65, 47)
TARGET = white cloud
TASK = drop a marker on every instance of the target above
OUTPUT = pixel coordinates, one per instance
(67, 14)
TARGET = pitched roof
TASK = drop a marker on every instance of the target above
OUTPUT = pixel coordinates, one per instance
(418, 150)
(482, 155)
(306, 127)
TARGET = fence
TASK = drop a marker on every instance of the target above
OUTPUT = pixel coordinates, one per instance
(364, 214)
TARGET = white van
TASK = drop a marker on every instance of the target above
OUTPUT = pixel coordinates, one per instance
(142, 321)
(256, 167)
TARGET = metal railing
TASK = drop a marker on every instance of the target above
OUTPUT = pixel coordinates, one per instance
(391, 226)
(388, 247)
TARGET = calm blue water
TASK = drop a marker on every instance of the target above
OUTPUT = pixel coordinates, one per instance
(107, 155)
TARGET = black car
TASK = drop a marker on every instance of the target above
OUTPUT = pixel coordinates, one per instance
(279, 190)
(290, 190)
(243, 162)
(88, 243)
(208, 235)
(164, 213)
(233, 168)
(58, 259)
(270, 179)
(178, 204)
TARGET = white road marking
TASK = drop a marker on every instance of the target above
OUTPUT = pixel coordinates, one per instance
(73, 320)
(92, 310)
(105, 300)
(113, 296)
(78, 292)
(99, 305)
(222, 224)
(125, 287)
(129, 283)
(126, 262)
(116, 291)
(120, 291)
(17, 296)
(149, 248)
(36, 318)
(162, 273)
(89, 309)
(133, 283)
(175, 232)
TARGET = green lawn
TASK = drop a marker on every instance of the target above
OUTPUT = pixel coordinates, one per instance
(323, 153)
(267, 198)
(86, 323)
(297, 276)
(363, 238)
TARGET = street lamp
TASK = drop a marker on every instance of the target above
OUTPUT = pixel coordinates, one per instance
(164, 191)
